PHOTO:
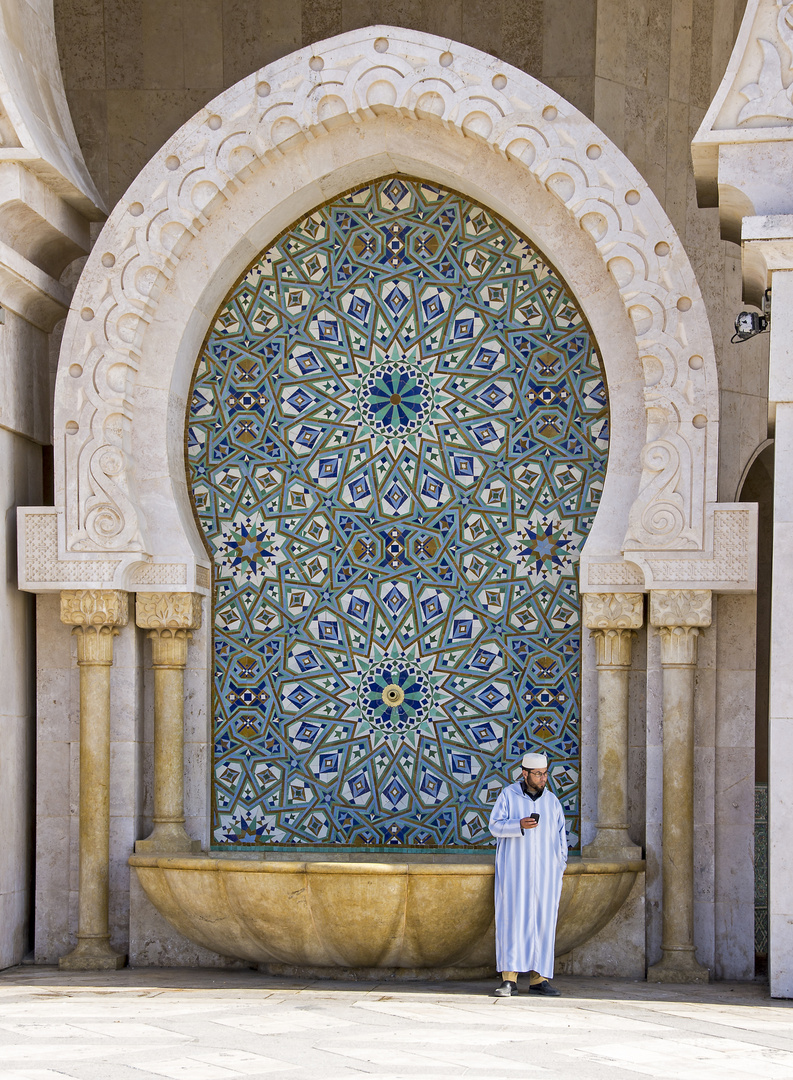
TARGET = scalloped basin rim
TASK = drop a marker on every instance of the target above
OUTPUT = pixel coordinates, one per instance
(371, 916)
(262, 866)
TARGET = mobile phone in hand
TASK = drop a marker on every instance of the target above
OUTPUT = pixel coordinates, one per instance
(534, 817)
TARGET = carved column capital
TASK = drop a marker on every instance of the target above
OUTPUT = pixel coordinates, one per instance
(170, 619)
(613, 647)
(613, 618)
(95, 615)
(680, 607)
(168, 611)
(613, 611)
(679, 615)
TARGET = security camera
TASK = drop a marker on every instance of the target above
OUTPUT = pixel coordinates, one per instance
(749, 323)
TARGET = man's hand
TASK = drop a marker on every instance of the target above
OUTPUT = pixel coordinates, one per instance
(528, 823)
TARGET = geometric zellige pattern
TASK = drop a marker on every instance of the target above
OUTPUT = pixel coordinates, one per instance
(397, 441)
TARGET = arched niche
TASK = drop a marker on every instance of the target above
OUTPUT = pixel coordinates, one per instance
(371, 103)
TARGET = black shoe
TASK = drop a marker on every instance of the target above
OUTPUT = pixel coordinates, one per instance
(507, 988)
(545, 989)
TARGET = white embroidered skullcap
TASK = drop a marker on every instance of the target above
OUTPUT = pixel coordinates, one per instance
(534, 761)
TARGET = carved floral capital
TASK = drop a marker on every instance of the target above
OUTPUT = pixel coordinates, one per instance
(168, 611)
(95, 608)
(613, 611)
(95, 616)
(680, 607)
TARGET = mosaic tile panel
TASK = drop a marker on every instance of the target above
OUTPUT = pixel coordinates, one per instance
(397, 441)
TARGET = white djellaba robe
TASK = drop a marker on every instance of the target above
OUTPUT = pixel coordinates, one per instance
(529, 868)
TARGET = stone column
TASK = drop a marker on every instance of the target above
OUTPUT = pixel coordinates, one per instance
(679, 615)
(95, 616)
(613, 619)
(170, 619)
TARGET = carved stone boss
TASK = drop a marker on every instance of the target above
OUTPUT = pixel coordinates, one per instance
(613, 619)
(679, 615)
(169, 619)
(96, 617)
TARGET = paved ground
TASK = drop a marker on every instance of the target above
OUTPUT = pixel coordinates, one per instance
(211, 1025)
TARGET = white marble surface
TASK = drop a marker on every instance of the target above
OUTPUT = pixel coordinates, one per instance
(213, 1025)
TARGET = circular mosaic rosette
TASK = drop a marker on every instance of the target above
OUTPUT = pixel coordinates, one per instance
(397, 443)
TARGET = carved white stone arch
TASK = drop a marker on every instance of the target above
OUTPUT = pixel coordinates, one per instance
(288, 138)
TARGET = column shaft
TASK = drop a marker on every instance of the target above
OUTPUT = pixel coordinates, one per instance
(612, 617)
(678, 810)
(169, 745)
(679, 614)
(94, 800)
(95, 616)
(169, 618)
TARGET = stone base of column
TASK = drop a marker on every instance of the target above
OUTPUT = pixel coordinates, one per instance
(612, 843)
(678, 966)
(92, 954)
(169, 837)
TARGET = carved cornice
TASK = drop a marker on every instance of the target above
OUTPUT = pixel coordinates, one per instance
(680, 607)
(168, 611)
(358, 78)
(612, 611)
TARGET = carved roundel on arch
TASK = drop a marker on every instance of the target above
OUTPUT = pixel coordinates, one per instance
(397, 441)
(129, 345)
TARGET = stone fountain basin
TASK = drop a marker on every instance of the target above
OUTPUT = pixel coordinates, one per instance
(429, 918)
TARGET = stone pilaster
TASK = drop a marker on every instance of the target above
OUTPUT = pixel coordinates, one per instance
(169, 619)
(680, 615)
(613, 619)
(95, 616)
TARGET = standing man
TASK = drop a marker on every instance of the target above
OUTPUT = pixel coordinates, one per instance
(531, 854)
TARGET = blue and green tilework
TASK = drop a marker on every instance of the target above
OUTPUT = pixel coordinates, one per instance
(396, 445)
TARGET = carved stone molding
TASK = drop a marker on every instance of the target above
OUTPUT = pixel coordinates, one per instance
(612, 611)
(728, 564)
(443, 89)
(743, 151)
(769, 96)
(680, 607)
(42, 569)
